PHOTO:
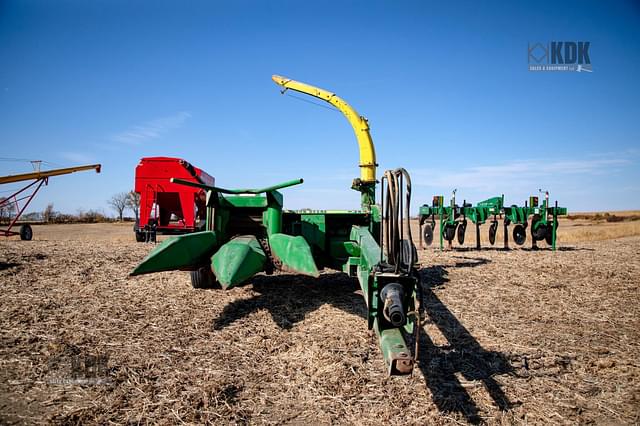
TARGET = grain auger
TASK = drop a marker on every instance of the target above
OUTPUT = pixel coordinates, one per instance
(249, 232)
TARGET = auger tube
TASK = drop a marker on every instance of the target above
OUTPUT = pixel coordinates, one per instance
(358, 122)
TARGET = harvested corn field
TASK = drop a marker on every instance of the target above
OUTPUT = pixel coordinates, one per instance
(508, 337)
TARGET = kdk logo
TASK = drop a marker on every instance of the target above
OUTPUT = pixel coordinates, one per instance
(560, 56)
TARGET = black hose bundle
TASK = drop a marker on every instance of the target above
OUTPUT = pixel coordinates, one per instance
(396, 227)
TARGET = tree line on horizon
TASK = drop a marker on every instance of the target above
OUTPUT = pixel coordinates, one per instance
(119, 202)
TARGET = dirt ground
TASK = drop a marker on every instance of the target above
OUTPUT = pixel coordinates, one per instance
(509, 337)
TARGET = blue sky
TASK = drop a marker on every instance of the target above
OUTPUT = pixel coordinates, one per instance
(445, 87)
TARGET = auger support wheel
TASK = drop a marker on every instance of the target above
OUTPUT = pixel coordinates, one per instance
(26, 233)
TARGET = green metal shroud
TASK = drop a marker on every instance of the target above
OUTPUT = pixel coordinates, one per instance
(293, 254)
(185, 252)
(238, 260)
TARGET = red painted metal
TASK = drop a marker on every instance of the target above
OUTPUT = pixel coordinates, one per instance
(12, 199)
(172, 207)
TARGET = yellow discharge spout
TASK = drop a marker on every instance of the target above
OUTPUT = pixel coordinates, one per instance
(358, 122)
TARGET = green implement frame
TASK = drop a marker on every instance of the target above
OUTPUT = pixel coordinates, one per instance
(452, 218)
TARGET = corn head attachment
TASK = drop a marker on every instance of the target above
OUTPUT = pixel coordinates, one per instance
(248, 231)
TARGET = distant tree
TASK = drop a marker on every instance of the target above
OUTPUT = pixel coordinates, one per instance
(32, 216)
(47, 213)
(119, 202)
(7, 208)
(133, 202)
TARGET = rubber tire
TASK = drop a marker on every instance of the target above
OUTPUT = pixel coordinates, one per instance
(203, 278)
(26, 233)
(493, 229)
(450, 232)
(140, 237)
(540, 232)
(548, 236)
(519, 234)
(461, 230)
(427, 234)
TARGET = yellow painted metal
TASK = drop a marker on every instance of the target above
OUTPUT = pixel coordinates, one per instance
(358, 122)
(47, 173)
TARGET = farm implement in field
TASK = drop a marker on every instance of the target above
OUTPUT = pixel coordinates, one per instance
(248, 232)
(25, 194)
(167, 207)
(543, 220)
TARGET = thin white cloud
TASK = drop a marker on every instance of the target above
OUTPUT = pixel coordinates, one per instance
(77, 157)
(151, 129)
(517, 173)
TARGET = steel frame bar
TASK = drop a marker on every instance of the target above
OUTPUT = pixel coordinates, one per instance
(8, 232)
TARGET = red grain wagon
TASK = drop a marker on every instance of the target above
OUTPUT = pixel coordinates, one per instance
(167, 207)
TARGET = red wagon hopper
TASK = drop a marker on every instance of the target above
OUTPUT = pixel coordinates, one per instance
(167, 207)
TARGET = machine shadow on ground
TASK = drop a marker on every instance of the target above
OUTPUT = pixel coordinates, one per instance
(462, 355)
(289, 298)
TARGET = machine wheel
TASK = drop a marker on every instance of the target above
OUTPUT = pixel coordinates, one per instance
(539, 233)
(450, 232)
(26, 233)
(140, 237)
(519, 234)
(427, 234)
(493, 228)
(203, 278)
(461, 230)
(549, 235)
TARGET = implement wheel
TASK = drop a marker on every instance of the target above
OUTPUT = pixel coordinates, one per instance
(519, 234)
(203, 278)
(26, 233)
(450, 232)
(427, 234)
(549, 235)
(461, 230)
(539, 233)
(493, 228)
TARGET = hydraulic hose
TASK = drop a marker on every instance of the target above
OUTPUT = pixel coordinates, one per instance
(399, 246)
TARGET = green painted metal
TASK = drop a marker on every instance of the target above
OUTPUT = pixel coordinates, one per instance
(367, 193)
(238, 260)
(248, 232)
(293, 254)
(396, 353)
(494, 202)
(538, 215)
(238, 191)
(272, 216)
(182, 252)
(244, 201)
(370, 256)
(299, 242)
